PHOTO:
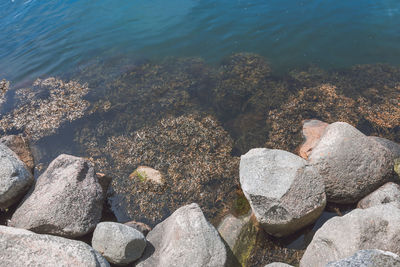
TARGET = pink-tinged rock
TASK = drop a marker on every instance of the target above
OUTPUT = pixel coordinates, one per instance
(312, 132)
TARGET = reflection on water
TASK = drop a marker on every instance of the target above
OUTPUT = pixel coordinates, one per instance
(191, 120)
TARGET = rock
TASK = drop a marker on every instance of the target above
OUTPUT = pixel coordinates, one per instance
(118, 243)
(392, 146)
(19, 247)
(15, 178)
(67, 200)
(352, 164)
(4, 87)
(104, 181)
(231, 227)
(184, 239)
(278, 264)
(144, 173)
(389, 192)
(312, 132)
(368, 258)
(20, 147)
(341, 237)
(142, 227)
(284, 193)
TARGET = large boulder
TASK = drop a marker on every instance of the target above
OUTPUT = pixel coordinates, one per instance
(368, 258)
(352, 164)
(389, 192)
(118, 243)
(15, 178)
(184, 239)
(19, 247)
(67, 200)
(284, 193)
(341, 237)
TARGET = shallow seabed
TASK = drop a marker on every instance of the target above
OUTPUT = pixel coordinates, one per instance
(192, 120)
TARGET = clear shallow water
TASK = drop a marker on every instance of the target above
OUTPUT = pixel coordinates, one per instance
(42, 38)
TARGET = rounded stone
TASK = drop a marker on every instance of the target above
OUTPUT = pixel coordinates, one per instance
(118, 243)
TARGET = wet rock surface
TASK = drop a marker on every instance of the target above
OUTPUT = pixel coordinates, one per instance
(19, 146)
(15, 178)
(285, 194)
(19, 247)
(4, 87)
(118, 243)
(389, 192)
(184, 239)
(67, 200)
(341, 237)
(352, 164)
(368, 257)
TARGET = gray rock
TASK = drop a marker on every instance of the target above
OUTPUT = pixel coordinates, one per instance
(67, 200)
(184, 239)
(392, 146)
(15, 178)
(284, 193)
(19, 146)
(368, 258)
(231, 227)
(389, 192)
(340, 237)
(20, 248)
(142, 227)
(278, 264)
(352, 164)
(118, 243)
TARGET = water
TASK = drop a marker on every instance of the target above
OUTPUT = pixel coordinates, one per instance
(169, 87)
(48, 37)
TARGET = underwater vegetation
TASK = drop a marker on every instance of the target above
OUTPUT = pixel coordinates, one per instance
(190, 121)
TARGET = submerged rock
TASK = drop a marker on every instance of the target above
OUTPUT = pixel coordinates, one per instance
(351, 164)
(118, 243)
(231, 227)
(312, 132)
(389, 192)
(67, 200)
(285, 193)
(341, 237)
(19, 247)
(184, 239)
(15, 178)
(368, 258)
(20, 146)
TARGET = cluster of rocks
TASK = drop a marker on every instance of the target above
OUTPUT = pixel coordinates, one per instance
(340, 165)
(66, 203)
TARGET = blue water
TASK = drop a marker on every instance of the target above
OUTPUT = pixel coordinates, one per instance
(41, 38)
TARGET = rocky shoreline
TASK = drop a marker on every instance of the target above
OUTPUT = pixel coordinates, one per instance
(160, 144)
(285, 192)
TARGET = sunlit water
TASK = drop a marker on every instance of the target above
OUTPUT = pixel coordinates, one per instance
(106, 43)
(47, 37)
